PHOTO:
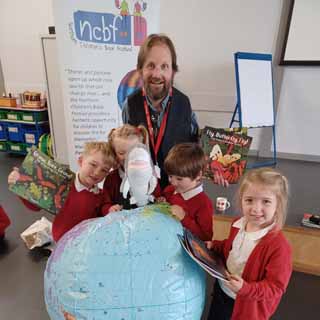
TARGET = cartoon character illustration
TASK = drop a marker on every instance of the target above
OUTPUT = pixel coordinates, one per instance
(141, 177)
(227, 165)
(216, 152)
(140, 27)
(138, 8)
(123, 6)
(125, 15)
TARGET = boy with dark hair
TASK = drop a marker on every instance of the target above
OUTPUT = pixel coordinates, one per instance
(184, 165)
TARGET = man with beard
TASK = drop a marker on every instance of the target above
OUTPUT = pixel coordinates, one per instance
(165, 111)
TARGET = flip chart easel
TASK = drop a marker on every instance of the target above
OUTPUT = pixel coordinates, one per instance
(255, 100)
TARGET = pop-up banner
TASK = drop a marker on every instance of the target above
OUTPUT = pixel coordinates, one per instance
(98, 44)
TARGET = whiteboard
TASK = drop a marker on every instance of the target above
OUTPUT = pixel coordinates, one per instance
(255, 89)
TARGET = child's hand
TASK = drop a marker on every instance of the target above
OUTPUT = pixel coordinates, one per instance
(68, 316)
(115, 208)
(234, 283)
(209, 244)
(161, 199)
(13, 176)
(178, 212)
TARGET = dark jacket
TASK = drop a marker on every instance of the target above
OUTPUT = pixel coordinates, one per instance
(178, 128)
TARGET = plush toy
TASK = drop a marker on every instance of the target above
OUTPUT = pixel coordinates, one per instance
(141, 176)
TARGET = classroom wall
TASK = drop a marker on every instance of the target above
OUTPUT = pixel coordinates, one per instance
(21, 23)
(206, 34)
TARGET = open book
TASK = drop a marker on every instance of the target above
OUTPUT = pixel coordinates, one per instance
(43, 181)
(226, 151)
(205, 258)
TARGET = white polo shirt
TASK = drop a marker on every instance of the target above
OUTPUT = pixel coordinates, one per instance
(242, 246)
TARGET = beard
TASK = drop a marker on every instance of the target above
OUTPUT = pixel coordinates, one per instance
(157, 89)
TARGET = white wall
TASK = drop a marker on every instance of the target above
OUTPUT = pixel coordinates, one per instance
(21, 23)
(299, 112)
(206, 34)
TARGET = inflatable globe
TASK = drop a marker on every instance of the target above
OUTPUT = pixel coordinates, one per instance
(128, 265)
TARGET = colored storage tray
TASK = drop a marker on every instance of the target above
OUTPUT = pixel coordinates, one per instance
(31, 134)
(3, 114)
(14, 115)
(3, 145)
(15, 132)
(3, 131)
(16, 147)
(34, 116)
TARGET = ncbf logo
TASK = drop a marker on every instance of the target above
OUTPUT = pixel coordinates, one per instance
(108, 28)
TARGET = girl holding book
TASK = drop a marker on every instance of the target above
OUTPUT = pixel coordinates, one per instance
(256, 253)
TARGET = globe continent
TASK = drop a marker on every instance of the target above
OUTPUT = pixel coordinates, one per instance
(128, 265)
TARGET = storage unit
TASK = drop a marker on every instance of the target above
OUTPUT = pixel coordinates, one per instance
(14, 132)
(20, 128)
(3, 130)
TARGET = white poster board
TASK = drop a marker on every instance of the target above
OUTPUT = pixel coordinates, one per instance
(98, 44)
(255, 89)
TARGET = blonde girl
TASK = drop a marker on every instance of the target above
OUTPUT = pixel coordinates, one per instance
(121, 140)
(256, 253)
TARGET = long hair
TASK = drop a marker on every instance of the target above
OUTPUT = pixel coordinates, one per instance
(153, 40)
(272, 179)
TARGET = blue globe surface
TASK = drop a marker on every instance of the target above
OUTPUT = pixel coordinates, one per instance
(128, 265)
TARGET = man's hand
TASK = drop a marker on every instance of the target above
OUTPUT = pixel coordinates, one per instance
(220, 180)
(209, 244)
(115, 208)
(178, 212)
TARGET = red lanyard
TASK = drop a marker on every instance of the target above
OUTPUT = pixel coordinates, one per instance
(156, 145)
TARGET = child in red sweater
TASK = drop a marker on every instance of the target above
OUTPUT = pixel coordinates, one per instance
(85, 200)
(4, 223)
(256, 253)
(184, 165)
(121, 140)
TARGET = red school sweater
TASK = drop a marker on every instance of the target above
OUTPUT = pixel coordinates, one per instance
(111, 187)
(198, 209)
(266, 275)
(78, 206)
(4, 221)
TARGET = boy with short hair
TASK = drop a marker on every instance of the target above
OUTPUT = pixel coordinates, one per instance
(185, 165)
(85, 199)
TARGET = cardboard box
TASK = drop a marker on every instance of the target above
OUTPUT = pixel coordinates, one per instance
(8, 102)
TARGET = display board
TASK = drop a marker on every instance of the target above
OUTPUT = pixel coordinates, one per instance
(97, 46)
(254, 89)
(255, 104)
